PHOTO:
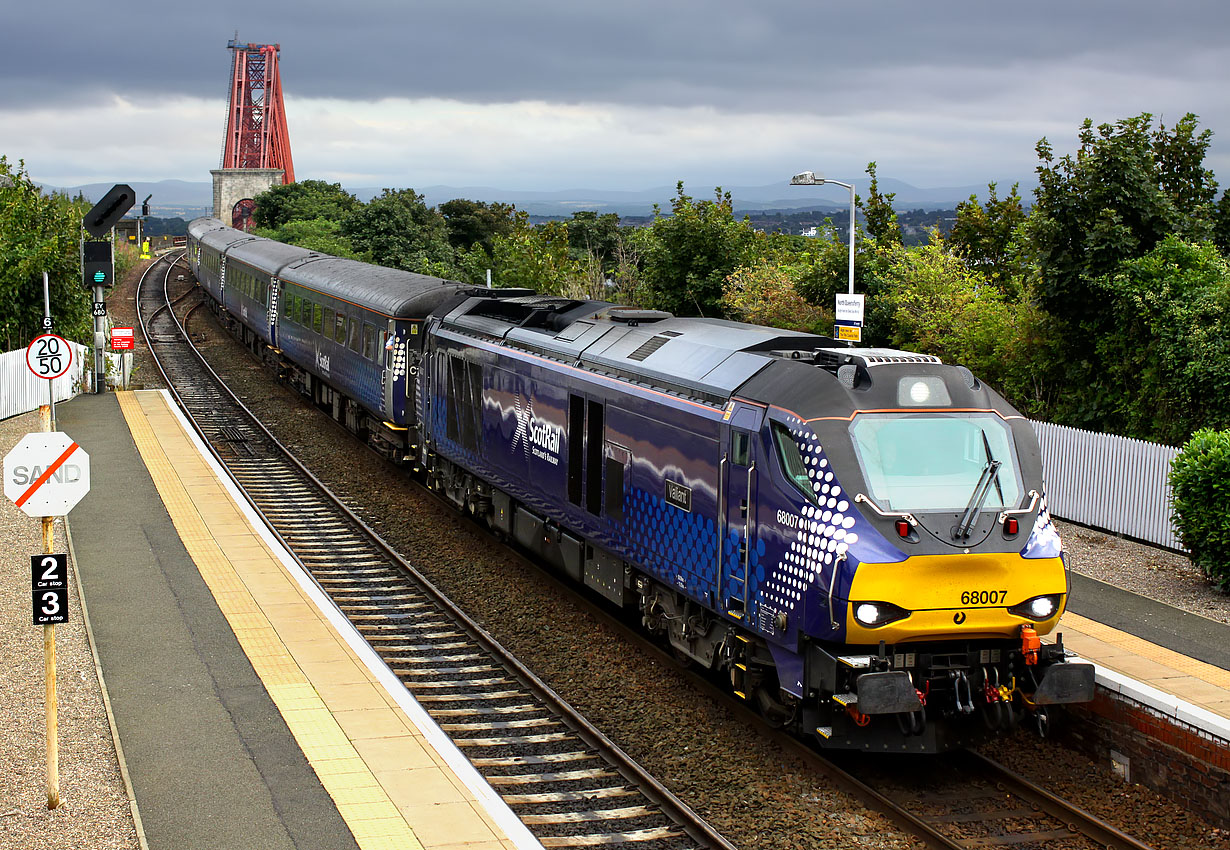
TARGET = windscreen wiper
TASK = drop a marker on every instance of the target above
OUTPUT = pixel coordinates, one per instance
(986, 444)
(990, 473)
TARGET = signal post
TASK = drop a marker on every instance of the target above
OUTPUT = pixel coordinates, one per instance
(98, 267)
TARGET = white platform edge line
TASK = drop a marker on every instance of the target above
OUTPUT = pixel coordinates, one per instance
(513, 828)
(1168, 704)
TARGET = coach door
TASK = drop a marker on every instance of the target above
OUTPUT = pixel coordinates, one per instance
(275, 296)
(389, 375)
(739, 534)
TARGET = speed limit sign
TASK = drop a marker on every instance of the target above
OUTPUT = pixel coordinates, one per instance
(49, 356)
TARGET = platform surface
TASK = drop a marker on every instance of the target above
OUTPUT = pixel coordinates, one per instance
(247, 717)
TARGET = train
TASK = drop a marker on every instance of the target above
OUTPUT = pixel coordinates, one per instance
(856, 538)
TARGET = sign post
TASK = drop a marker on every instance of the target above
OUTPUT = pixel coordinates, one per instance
(45, 475)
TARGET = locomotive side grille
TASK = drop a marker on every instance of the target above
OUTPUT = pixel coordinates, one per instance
(651, 345)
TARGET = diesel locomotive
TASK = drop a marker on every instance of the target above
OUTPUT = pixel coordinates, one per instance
(856, 537)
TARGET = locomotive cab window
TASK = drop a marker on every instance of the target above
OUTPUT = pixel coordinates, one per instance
(931, 462)
(740, 447)
(791, 460)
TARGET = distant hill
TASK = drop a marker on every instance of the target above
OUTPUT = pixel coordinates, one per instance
(181, 198)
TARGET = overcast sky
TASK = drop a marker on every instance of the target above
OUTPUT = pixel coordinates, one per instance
(620, 94)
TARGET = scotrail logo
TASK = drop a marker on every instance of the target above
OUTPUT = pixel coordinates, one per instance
(536, 436)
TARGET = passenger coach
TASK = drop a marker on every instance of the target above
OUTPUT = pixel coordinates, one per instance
(346, 333)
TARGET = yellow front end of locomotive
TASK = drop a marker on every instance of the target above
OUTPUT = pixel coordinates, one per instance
(955, 596)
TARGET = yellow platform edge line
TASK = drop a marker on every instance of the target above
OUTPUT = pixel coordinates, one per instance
(1181, 664)
(373, 819)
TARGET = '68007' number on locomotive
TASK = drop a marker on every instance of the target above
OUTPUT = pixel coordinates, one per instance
(984, 597)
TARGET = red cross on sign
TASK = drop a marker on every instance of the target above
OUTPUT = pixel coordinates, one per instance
(46, 474)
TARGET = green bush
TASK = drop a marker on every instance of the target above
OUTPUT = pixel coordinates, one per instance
(1200, 478)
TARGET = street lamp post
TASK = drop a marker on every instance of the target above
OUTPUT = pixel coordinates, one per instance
(811, 178)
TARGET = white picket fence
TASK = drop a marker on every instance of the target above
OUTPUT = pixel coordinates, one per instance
(1109, 482)
(21, 391)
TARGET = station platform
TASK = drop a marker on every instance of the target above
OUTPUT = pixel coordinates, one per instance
(248, 712)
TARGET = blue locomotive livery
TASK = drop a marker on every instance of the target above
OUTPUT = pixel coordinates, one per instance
(857, 537)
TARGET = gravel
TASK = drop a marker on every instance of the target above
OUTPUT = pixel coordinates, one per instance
(1159, 574)
(94, 810)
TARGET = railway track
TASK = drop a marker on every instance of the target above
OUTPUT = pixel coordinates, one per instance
(965, 800)
(567, 781)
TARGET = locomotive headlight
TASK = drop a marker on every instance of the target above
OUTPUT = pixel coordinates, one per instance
(1038, 608)
(922, 391)
(874, 614)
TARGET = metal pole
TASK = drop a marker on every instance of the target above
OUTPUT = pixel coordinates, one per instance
(100, 343)
(851, 290)
(51, 395)
(52, 708)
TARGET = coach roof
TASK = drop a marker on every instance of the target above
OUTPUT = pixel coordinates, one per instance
(393, 292)
(267, 256)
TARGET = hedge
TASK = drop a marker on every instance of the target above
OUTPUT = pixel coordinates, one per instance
(1200, 479)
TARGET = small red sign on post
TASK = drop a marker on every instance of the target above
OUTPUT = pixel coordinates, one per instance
(122, 340)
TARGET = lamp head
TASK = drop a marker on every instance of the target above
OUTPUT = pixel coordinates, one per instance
(807, 178)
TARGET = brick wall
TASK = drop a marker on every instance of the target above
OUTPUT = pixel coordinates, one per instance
(1173, 758)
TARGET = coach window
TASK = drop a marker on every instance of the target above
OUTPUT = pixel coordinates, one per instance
(339, 328)
(317, 317)
(370, 351)
(356, 330)
(327, 323)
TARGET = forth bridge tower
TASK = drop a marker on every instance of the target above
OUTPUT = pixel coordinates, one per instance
(256, 153)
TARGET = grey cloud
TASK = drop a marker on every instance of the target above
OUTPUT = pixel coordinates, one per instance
(724, 53)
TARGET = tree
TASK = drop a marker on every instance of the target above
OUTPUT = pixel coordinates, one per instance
(939, 305)
(537, 258)
(303, 201)
(397, 229)
(985, 235)
(591, 234)
(765, 294)
(691, 253)
(1166, 357)
(878, 212)
(38, 233)
(318, 234)
(476, 222)
(1221, 224)
(1127, 188)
